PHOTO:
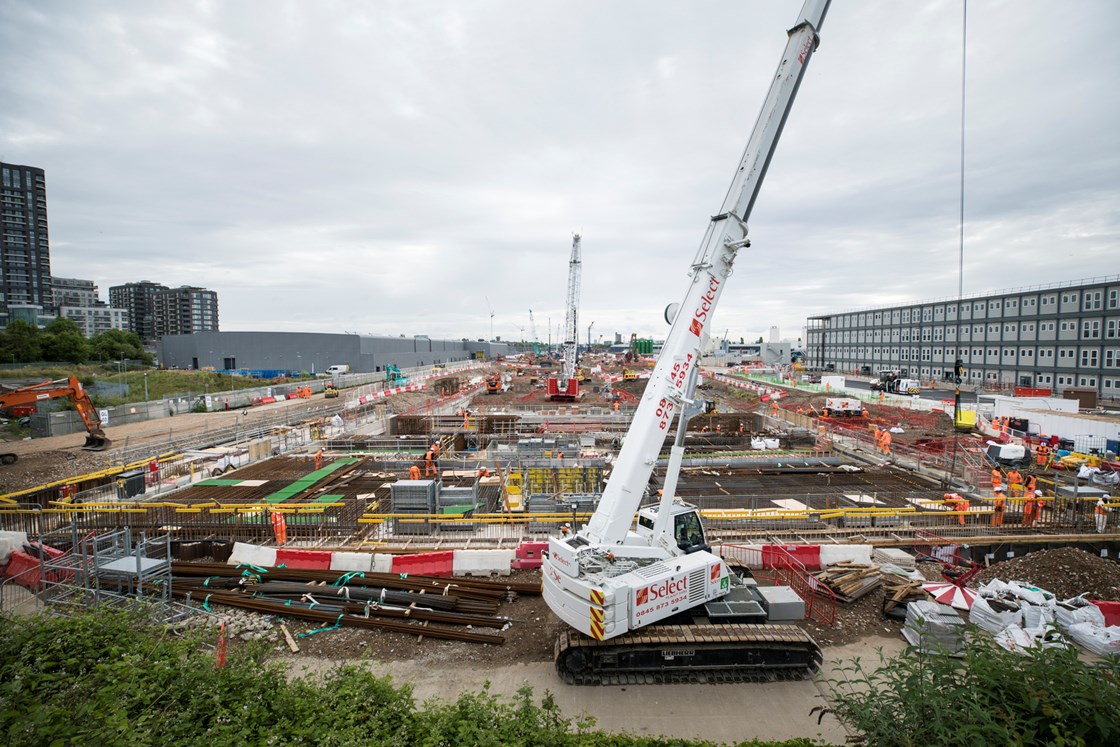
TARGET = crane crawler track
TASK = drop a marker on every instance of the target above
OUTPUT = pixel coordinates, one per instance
(689, 654)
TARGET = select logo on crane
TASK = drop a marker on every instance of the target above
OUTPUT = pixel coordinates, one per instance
(706, 302)
(660, 595)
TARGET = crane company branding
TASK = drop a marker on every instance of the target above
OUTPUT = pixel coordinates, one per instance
(706, 302)
(660, 595)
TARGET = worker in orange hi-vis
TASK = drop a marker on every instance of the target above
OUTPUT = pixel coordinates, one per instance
(957, 502)
(1028, 511)
(1014, 483)
(414, 472)
(429, 464)
(997, 479)
(616, 405)
(997, 509)
(319, 459)
(279, 527)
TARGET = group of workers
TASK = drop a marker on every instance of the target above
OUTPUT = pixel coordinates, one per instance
(431, 462)
(883, 440)
(1017, 487)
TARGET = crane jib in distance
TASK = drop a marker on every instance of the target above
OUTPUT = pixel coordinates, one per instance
(605, 580)
(566, 385)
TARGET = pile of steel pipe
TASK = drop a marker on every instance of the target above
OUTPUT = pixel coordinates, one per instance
(339, 614)
(467, 588)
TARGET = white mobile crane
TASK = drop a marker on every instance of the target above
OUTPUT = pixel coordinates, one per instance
(566, 385)
(606, 580)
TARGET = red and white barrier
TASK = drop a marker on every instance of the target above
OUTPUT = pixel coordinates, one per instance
(440, 564)
(308, 560)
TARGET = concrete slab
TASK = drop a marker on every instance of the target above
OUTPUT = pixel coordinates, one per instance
(721, 713)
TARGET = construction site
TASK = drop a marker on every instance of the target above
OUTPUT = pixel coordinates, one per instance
(587, 522)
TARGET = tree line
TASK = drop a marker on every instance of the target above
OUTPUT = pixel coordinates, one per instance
(62, 341)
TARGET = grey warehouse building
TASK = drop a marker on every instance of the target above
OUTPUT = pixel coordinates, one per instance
(315, 352)
(1053, 337)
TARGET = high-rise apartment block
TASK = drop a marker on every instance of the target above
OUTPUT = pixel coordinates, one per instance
(154, 310)
(1048, 336)
(185, 311)
(138, 301)
(25, 252)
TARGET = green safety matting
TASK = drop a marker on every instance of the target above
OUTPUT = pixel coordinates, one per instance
(459, 510)
(307, 481)
(329, 498)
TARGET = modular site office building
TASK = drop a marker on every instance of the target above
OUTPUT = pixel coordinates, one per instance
(1055, 337)
(316, 352)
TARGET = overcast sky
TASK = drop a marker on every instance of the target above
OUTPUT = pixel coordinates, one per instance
(393, 167)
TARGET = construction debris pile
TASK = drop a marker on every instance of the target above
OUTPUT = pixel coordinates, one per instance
(1065, 572)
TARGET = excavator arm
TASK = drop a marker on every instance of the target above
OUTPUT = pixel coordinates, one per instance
(72, 389)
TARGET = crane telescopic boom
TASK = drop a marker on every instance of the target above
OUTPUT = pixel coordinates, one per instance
(606, 579)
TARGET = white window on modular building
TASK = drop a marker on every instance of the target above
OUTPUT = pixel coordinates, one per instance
(906, 316)
(1110, 384)
(925, 354)
(975, 375)
(1091, 329)
(906, 354)
(1114, 298)
(993, 308)
(1087, 381)
(905, 337)
(1092, 300)
(1110, 328)
(1089, 358)
(926, 334)
(1011, 307)
(1112, 358)
(939, 313)
(927, 314)
(1026, 353)
(1048, 302)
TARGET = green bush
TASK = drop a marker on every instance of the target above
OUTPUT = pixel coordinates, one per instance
(109, 678)
(988, 697)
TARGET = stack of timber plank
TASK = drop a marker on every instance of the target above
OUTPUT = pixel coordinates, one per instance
(898, 592)
(849, 581)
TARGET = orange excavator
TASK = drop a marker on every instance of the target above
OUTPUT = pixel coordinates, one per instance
(70, 388)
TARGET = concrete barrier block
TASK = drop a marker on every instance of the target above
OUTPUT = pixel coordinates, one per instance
(382, 563)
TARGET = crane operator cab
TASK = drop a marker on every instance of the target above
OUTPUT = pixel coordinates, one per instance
(687, 530)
